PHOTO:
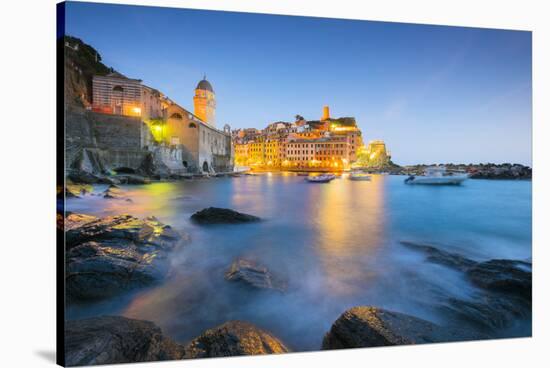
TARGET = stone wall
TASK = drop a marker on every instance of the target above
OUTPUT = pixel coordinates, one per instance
(215, 150)
(98, 143)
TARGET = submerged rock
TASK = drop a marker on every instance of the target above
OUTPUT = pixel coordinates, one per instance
(504, 276)
(367, 326)
(85, 177)
(504, 289)
(114, 339)
(254, 275)
(486, 312)
(213, 215)
(436, 255)
(132, 179)
(113, 192)
(234, 338)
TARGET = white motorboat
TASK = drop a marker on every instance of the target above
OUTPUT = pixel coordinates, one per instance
(359, 176)
(437, 175)
(325, 178)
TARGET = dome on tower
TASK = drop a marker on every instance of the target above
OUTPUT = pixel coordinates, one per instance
(205, 85)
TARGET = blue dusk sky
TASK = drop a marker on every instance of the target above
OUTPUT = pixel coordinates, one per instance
(434, 94)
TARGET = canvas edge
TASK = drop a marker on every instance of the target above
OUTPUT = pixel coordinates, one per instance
(60, 183)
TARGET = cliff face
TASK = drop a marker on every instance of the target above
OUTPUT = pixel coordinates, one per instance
(82, 62)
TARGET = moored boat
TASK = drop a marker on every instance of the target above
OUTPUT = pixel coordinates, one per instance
(437, 175)
(325, 178)
(359, 176)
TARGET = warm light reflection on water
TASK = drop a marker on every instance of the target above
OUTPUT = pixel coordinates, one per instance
(350, 220)
(336, 244)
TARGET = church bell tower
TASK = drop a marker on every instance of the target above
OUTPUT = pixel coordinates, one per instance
(205, 102)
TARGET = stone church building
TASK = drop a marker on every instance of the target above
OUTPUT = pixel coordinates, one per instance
(206, 148)
(178, 136)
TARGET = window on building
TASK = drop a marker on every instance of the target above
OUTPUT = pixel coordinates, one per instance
(192, 125)
(176, 116)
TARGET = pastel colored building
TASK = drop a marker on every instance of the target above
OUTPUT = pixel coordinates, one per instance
(329, 143)
(116, 94)
(330, 152)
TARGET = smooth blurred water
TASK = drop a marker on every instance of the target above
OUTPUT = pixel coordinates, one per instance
(336, 244)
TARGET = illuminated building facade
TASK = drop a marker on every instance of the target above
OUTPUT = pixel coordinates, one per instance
(241, 154)
(330, 152)
(256, 153)
(327, 143)
(116, 94)
(275, 152)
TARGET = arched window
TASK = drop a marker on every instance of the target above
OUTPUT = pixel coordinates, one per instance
(176, 116)
(118, 88)
(192, 125)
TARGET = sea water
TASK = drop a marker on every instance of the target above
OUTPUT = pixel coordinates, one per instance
(337, 245)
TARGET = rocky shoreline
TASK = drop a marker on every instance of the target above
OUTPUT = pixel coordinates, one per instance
(109, 256)
(478, 171)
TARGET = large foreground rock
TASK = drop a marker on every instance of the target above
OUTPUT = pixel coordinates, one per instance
(234, 338)
(110, 255)
(80, 228)
(113, 339)
(97, 270)
(213, 215)
(366, 326)
(254, 275)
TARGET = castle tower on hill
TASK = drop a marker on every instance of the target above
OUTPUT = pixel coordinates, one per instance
(205, 102)
(326, 113)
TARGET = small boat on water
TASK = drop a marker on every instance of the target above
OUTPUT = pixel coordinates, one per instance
(359, 176)
(325, 178)
(436, 175)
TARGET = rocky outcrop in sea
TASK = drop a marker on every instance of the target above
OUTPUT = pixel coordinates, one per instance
(478, 171)
(214, 215)
(254, 275)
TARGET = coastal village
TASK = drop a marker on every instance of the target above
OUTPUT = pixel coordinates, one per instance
(173, 140)
(327, 144)
(119, 125)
